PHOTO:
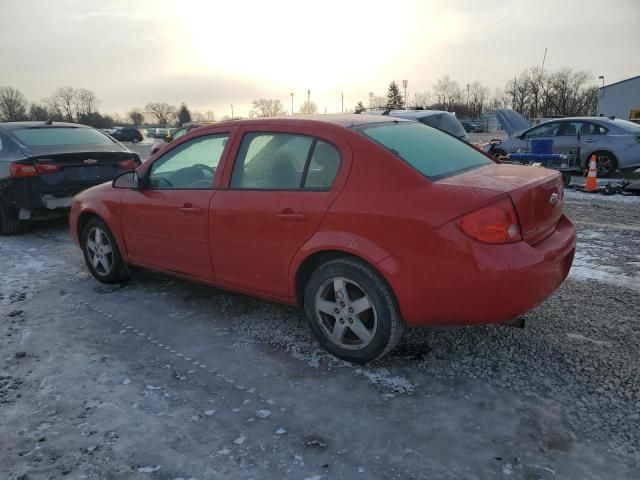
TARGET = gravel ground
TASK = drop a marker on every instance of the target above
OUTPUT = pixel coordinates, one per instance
(164, 379)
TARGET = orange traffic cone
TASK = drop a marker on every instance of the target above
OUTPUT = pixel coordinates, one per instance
(591, 182)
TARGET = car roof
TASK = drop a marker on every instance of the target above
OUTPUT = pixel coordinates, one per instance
(349, 120)
(18, 125)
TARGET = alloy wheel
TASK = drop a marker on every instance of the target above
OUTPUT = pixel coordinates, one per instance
(99, 251)
(346, 313)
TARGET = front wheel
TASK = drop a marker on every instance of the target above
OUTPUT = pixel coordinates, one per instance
(10, 223)
(101, 253)
(352, 311)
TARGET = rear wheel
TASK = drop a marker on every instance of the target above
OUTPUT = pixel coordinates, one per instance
(10, 224)
(101, 253)
(134, 140)
(606, 163)
(352, 311)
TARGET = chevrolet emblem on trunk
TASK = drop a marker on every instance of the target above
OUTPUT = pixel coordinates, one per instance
(91, 161)
(553, 199)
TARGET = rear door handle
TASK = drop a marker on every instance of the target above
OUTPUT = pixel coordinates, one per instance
(188, 209)
(288, 215)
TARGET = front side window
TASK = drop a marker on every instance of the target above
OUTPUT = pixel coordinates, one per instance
(191, 165)
(433, 153)
(546, 130)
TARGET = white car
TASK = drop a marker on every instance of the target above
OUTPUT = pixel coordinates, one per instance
(615, 142)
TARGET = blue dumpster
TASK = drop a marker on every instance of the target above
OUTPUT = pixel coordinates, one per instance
(542, 146)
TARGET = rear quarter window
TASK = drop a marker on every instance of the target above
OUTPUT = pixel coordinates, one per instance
(61, 136)
(433, 153)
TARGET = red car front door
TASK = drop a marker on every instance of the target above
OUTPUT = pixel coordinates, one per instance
(279, 187)
(165, 224)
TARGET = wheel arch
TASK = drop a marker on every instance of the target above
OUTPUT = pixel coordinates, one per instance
(585, 164)
(314, 260)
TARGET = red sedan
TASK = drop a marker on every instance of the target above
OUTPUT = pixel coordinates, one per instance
(370, 223)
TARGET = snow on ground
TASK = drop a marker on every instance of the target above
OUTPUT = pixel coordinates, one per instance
(576, 196)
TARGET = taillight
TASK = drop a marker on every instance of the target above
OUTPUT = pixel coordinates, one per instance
(21, 170)
(497, 223)
(129, 164)
(47, 167)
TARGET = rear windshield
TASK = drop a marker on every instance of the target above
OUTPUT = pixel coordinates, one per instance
(446, 122)
(628, 126)
(433, 153)
(61, 136)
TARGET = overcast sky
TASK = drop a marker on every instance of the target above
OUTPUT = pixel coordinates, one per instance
(210, 54)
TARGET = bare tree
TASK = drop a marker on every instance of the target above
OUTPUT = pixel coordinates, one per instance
(13, 105)
(163, 112)
(198, 116)
(86, 102)
(136, 116)
(38, 112)
(307, 108)
(62, 103)
(210, 115)
(264, 107)
(478, 97)
(447, 91)
(422, 99)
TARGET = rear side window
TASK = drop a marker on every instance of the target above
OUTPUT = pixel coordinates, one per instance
(433, 153)
(61, 136)
(283, 161)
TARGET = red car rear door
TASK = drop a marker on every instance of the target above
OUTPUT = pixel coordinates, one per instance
(280, 185)
(166, 223)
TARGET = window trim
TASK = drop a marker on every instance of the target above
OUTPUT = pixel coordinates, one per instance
(147, 177)
(305, 171)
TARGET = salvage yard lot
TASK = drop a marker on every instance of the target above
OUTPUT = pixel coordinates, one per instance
(164, 379)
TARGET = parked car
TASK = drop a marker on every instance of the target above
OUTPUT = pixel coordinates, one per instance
(171, 136)
(370, 223)
(43, 164)
(445, 121)
(470, 127)
(127, 134)
(614, 142)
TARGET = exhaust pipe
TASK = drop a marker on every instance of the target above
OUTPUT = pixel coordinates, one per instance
(517, 322)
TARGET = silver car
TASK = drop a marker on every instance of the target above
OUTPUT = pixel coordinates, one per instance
(615, 142)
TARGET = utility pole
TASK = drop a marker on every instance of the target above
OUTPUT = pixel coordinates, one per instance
(308, 97)
(467, 95)
(291, 103)
(232, 111)
(404, 85)
(342, 102)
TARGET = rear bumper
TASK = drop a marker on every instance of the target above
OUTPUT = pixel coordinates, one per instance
(445, 278)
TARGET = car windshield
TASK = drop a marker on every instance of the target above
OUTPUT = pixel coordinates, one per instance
(433, 153)
(61, 136)
(628, 126)
(445, 122)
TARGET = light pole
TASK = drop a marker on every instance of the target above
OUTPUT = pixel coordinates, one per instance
(342, 102)
(308, 98)
(232, 111)
(468, 95)
(601, 77)
(404, 85)
(291, 103)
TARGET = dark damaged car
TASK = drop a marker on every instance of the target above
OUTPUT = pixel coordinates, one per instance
(44, 164)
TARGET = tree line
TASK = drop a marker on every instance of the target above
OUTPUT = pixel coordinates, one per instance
(534, 93)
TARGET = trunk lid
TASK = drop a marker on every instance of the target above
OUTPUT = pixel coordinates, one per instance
(536, 192)
(511, 121)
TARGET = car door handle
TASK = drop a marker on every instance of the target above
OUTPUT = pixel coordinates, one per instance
(288, 215)
(188, 209)
(590, 141)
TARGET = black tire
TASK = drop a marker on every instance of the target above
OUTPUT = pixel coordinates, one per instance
(498, 153)
(117, 272)
(606, 163)
(383, 315)
(10, 224)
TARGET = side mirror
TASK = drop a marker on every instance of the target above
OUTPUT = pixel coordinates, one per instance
(127, 180)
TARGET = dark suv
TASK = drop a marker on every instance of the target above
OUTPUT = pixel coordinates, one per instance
(127, 134)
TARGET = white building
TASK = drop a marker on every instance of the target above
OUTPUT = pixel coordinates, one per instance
(619, 98)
